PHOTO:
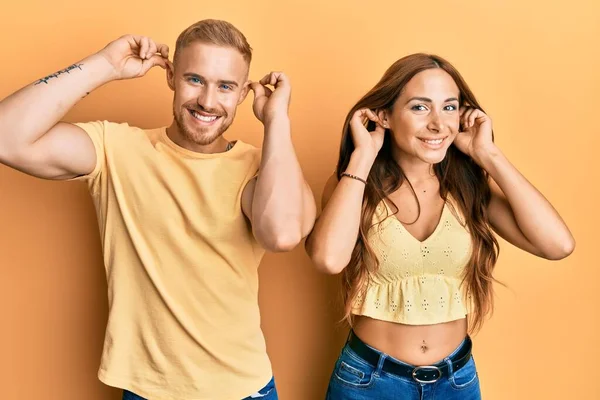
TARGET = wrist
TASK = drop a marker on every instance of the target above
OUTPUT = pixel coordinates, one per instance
(106, 70)
(277, 119)
(485, 156)
(363, 157)
(360, 164)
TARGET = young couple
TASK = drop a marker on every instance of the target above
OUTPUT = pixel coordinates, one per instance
(185, 216)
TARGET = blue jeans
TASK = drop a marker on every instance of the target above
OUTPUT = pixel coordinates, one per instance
(269, 392)
(355, 379)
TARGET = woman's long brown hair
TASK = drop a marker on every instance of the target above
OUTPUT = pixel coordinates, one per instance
(458, 174)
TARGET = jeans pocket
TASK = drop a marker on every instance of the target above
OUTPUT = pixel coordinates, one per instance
(466, 376)
(351, 370)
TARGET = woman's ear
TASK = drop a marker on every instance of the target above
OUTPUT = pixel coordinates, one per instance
(383, 117)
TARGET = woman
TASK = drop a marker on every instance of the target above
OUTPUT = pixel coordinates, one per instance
(409, 219)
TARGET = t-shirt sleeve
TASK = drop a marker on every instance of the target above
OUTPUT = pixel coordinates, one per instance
(257, 160)
(97, 131)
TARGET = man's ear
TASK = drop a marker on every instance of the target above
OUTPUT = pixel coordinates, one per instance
(171, 75)
(244, 92)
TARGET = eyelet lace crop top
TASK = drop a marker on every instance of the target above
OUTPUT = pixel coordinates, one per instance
(417, 282)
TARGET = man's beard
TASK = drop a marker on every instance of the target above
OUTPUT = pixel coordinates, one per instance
(200, 135)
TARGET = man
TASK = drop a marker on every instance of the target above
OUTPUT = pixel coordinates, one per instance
(184, 214)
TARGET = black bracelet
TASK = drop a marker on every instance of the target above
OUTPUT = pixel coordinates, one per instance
(354, 177)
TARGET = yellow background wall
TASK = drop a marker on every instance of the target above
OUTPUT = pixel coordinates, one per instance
(534, 67)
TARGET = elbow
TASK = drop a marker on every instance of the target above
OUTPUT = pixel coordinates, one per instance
(323, 257)
(329, 265)
(9, 155)
(280, 242)
(21, 156)
(326, 262)
(18, 159)
(562, 250)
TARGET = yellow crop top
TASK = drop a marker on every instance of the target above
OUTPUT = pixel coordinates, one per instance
(417, 283)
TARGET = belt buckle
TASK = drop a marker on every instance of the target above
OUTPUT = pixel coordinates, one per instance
(429, 368)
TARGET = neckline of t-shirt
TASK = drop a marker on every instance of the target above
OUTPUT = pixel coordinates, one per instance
(236, 148)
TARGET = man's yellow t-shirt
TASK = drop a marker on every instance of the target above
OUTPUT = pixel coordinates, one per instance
(181, 264)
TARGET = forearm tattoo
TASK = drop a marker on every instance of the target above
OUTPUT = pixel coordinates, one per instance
(57, 74)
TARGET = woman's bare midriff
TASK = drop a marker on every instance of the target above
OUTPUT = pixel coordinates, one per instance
(412, 344)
